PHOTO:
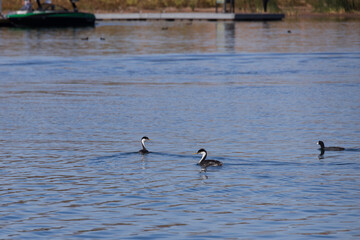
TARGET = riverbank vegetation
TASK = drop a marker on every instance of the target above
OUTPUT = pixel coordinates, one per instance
(286, 6)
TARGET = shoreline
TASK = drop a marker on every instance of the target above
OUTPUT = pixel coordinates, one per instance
(289, 15)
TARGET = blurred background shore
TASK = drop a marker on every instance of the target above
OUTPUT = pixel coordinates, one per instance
(292, 8)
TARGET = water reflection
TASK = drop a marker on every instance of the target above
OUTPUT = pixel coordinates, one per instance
(266, 25)
(43, 41)
(225, 36)
(321, 155)
(173, 37)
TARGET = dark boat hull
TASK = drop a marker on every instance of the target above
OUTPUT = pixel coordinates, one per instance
(52, 19)
(5, 23)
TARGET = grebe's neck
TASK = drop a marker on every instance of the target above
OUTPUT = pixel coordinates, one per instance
(143, 143)
(204, 154)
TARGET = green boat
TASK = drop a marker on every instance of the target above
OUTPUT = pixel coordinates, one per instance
(50, 15)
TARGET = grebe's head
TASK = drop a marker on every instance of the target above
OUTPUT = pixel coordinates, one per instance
(321, 143)
(201, 151)
(143, 140)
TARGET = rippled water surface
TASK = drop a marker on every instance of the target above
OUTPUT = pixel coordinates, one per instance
(256, 96)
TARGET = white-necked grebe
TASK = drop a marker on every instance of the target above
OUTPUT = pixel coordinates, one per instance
(206, 163)
(144, 150)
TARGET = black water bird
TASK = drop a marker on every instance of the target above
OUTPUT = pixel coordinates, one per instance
(85, 39)
(144, 150)
(206, 163)
(323, 148)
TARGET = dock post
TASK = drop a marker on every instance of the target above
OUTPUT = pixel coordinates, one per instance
(224, 3)
(232, 6)
(217, 2)
(265, 2)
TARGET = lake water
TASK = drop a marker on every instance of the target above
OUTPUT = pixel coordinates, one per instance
(255, 96)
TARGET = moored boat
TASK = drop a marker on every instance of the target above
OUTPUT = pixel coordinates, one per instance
(50, 15)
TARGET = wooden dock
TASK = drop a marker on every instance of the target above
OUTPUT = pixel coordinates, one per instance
(190, 16)
(180, 17)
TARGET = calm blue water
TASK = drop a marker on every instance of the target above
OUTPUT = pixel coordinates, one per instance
(72, 113)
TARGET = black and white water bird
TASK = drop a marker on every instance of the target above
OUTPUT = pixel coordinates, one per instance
(144, 150)
(206, 163)
(323, 148)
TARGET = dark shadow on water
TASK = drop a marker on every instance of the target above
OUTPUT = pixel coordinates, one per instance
(118, 155)
(128, 154)
(321, 155)
(228, 161)
(171, 155)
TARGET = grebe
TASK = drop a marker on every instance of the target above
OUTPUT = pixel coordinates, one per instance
(144, 150)
(206, 163)
(323, 148)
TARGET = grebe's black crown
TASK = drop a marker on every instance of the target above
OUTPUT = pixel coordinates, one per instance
(145, 137)
(201, 150)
